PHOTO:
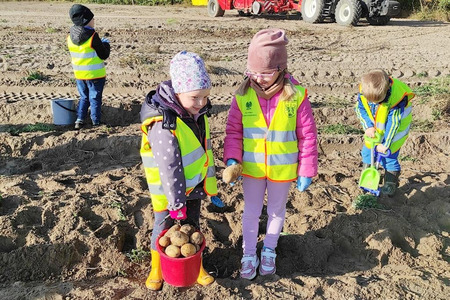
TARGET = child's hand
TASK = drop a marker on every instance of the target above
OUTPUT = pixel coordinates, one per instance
(382, 149)
(232, 172)
(303, 183)
(370, 132)
(179, 214)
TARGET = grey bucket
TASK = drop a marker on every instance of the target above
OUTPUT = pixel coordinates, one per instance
(63, 111)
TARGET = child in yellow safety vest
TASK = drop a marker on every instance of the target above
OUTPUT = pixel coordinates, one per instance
(88, 52)
(384, 109)
(176, 152)
(271, 132)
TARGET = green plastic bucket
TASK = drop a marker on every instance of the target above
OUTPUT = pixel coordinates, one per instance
(63, 111)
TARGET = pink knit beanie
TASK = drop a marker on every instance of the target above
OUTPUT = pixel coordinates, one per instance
(188, 73)
(267, 51)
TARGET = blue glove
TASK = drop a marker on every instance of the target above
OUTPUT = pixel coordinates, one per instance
(303, 183)
(105, 40)
(231, 162)
(217, 202)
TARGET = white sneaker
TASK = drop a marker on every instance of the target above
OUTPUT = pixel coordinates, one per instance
(78, 124)
(267, 266)
(250, 264)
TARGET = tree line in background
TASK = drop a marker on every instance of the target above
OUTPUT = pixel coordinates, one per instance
(136, 2)
(438, 10)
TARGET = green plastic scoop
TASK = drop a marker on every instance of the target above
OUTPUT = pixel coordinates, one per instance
(370, 177)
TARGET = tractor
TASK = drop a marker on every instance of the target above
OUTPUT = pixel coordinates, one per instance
(216, 8)
(344, 12)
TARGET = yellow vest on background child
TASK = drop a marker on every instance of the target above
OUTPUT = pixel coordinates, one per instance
(399, 90)
(85, 62)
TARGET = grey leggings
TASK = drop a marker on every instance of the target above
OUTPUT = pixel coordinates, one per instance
(193, 218)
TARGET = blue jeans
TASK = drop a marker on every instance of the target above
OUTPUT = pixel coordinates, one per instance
(90, 95)
(193, 218)
(389, 163)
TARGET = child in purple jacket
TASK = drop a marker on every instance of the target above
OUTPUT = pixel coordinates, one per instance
(176, 152)
(272, 133)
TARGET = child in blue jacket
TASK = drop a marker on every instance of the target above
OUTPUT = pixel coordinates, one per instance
(384, 110)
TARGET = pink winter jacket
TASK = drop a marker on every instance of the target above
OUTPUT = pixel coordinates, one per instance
(306, 133)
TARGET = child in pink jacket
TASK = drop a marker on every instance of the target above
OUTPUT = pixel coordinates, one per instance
(272, 133)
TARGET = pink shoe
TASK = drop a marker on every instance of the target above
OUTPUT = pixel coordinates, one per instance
(267, 266)
(249, 263)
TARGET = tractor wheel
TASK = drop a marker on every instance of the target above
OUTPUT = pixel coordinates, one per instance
(312, 10)
(214, 9)
(381, 20)
(348, 12)
(256, 8)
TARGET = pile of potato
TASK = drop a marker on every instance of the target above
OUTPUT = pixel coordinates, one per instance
(181, 241)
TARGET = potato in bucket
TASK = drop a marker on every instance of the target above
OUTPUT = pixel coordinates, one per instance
(181, 265)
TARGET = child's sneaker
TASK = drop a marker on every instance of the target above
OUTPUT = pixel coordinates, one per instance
(267, 266)
(78, 124)
(250, 264)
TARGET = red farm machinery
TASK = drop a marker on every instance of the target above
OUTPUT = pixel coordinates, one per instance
(343, 12)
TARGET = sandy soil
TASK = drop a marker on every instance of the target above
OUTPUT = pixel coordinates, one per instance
(74, 205)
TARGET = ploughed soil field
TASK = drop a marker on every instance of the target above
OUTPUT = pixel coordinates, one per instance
(75, 214)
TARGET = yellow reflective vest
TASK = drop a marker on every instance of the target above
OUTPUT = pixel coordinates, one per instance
(198, 164)
(398, 91)
(270, 152)
(85, 62)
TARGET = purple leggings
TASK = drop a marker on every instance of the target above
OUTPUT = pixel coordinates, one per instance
(254, 192)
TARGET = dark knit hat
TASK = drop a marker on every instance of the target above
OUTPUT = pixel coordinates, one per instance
(267, 51)
(80, 14)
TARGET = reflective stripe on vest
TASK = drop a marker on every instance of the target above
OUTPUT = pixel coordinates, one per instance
(398, 91)
(198, 165)
(270, 152)
(85, 62)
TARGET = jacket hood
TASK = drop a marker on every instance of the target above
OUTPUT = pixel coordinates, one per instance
(80, 34)
(163, 102)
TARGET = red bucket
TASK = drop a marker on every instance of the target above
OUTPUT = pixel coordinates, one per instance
(180, 272)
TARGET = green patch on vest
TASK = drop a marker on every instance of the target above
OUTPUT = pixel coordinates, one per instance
(248, 110)
(290, 109)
